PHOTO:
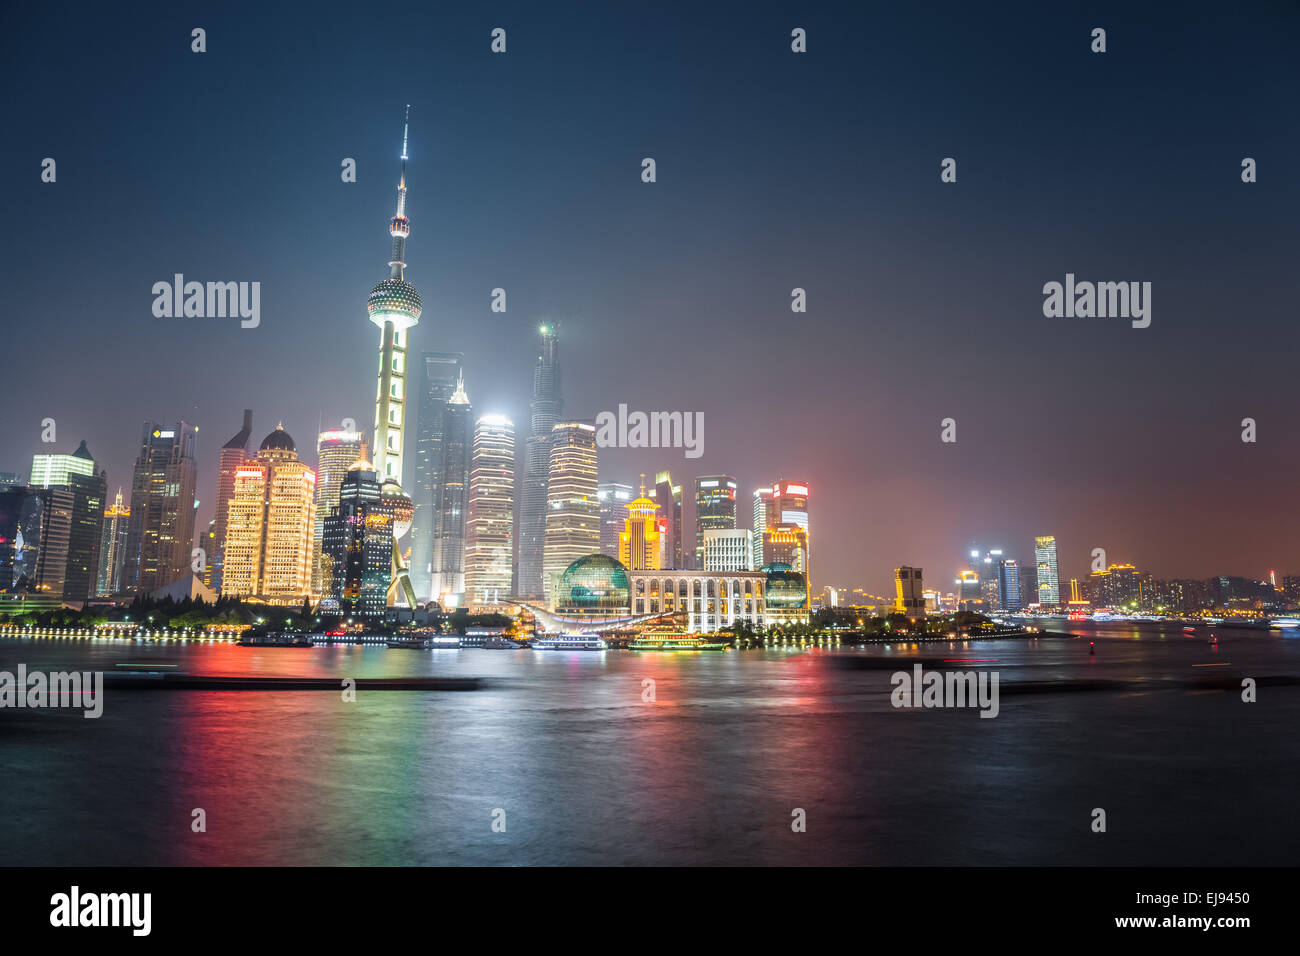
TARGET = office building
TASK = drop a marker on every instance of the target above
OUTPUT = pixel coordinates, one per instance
(715, 507)
(490, 514)
(572, 510)
(160, 535)
(229, 459)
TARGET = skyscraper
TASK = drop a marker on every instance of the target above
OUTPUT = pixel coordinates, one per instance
(1049, 582)
(490, 515)
(1009, 585)
(439, 373)
(336, 451)
(546, 406)
(229, 459)
(357, 538)
(638, 544)
(572, 510)
(715, 507)
(453, 487)
(613, 497)
(790, 502)
(49, 471)
(160, 534)
(909, 590)
(269, 528)
(85, 533)
(764, 515)
(786, 543)
(112, 547)
(668, 497)
(394, 306)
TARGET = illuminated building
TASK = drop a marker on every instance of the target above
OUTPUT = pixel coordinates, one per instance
(1049, 582)
(1009, 585)
(229, 459)
(639, 545)
(787, 595)
(160, 535)
(49, 471)
(546, 405)
(448, 568)
(268, 554)
(85, 534)
(707, 601)
(336, 451)
(763, 513)
(613, 497)
(909, 593)
(728, 549)
(112, 548)
(357, 539)
(968, 591)
(572, 510)
(786, 544)
(1075, 596)
(394, 306)
(21, 512)
(715, 507)
(669, 498)
(11, 479)
(439, 373)
(490, 516)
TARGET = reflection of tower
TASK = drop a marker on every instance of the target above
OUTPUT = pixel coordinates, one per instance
(394, 306)
(546, 405)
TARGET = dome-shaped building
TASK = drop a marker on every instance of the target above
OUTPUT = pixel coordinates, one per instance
(279, 440)
(595, 584)
(786, 588)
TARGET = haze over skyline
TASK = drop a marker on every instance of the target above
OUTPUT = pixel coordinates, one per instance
(775, 171)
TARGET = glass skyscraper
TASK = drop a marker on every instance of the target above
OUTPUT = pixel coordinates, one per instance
(572, 509)
(546, 406)
(439, 373)
(448, 570)
(715, 509)
(1049, 582)
(161, 529)
(490, 515)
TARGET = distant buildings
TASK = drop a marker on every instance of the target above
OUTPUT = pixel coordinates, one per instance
(613, 497)
(439, 373)
(50, 471)
(1049, 582)
(489, 522)
(728, 549)
(269, 528)
(715, 507)
(336, 451)
(546, 406)
(357, 539)
(910, 593)
(112, 548)
(764, 516)
(1119, 586)
(160, 533)
(1009, 585)
(572, 510)
(668, 497)
(229, 459)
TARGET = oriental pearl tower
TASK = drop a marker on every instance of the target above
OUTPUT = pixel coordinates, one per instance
(394, 306)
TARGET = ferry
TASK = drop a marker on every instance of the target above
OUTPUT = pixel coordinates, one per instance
(674, 641)
(425, 643)
(1279, 623)
(569, 642)
(276, 640)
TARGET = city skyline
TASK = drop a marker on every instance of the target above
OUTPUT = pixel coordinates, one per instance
(965, 300)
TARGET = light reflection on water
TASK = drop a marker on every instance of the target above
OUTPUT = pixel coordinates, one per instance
(709, 773)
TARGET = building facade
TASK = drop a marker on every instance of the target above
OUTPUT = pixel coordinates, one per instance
(715, 508)
(229, 459)
(639, 544)
(357, 539)
(1049, 581)
(112, 547)
(545, 408)
(614, 498)
(448, 570)
(728, 550)
(337, 450)
(439, 373)
(910, 592)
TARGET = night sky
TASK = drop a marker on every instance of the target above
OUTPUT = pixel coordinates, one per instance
(775, 170)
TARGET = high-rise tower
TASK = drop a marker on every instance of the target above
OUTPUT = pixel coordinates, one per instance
(232, 455)
(394, 306)
(336, 451)
(489, 523)
(453, 487)
(546, 405)
(160, 533)
(439, 373)
(572, 509)
(715, 508)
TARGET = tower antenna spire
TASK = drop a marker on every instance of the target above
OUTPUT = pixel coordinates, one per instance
(405, 125)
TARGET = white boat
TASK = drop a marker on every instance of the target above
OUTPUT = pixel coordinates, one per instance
(570, 642)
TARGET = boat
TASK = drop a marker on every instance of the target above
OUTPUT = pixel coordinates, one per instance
(569, 642)
(276, 640)
(667, 640)
(1284, 622)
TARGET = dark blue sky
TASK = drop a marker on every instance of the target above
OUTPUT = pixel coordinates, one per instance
(775, 170)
